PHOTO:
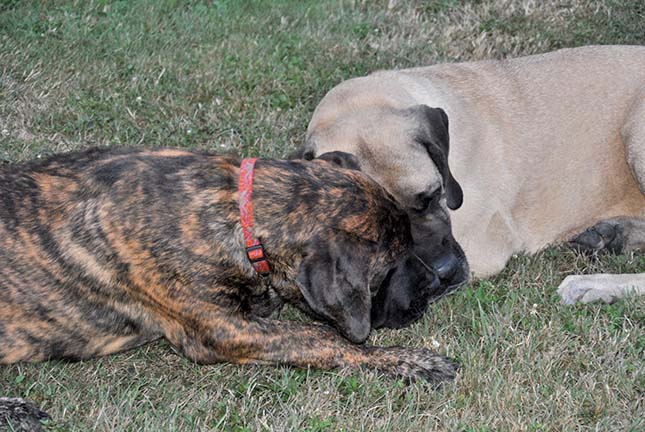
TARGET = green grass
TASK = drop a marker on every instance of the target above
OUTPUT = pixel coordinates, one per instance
(245, 76)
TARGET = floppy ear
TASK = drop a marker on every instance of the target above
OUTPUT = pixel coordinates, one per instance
(333, 280)
(434, 136)
(341, 159)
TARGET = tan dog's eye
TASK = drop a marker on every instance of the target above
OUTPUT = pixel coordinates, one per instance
(427, 200)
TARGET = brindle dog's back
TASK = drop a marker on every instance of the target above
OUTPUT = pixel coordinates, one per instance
(59, 257)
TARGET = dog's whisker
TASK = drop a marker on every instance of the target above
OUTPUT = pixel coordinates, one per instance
(423, 263)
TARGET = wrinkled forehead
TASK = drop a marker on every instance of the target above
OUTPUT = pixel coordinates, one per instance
(386, 144)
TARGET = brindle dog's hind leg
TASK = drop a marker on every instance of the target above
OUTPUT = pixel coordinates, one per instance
(231, 337)
(615, 235)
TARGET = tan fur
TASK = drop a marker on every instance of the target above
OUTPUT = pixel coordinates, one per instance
(543, 146)
(604, 287)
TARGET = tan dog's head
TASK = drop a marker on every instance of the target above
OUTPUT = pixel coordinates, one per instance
(406, 151)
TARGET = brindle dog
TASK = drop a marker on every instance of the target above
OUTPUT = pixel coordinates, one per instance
(105, 250)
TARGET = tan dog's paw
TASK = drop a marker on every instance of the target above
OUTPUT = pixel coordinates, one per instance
(604, 235)
(414, 364)
(589, 288)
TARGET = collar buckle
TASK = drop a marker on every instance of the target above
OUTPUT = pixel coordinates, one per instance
(258, 259)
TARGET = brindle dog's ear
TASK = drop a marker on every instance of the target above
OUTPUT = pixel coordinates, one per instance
(333, 280)
(342, 160)
(434, 136)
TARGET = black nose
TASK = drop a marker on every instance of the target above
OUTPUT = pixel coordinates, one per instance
(451, 268)
(452, 271)
(447, 266)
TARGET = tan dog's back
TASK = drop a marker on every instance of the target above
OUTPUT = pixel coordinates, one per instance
(543, 146)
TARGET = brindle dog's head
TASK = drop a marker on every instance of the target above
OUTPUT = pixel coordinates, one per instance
(359, 270)
(406, 151)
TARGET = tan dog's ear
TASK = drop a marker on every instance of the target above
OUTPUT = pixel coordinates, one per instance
(333, 279)
(433, 134)
(342, 160)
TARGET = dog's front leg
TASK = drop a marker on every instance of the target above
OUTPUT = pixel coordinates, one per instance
(237, 339)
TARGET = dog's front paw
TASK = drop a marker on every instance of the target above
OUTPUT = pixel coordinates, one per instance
(587, 289)
(414, 364)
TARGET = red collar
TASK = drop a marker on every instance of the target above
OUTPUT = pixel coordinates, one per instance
(254, 249)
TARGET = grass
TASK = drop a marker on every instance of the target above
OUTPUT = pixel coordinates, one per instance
(245, 76)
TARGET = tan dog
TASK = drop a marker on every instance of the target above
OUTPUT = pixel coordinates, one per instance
(545, 147)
